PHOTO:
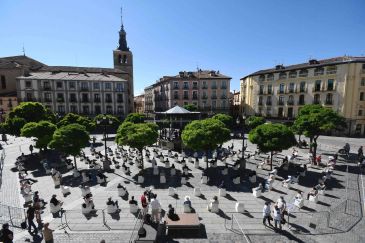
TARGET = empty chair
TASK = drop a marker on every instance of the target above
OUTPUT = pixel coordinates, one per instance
(196, 164)
(85, 177)
(155, 170)
(222, 192)
(140, 179)
(65, 190)
(204, 179)
(213, 207)
(183, 180)
(172, 191)
(162, 179)
(197, 192)
(240, 207)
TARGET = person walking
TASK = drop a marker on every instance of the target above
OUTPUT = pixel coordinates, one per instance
(155, 207)
(266, 213)
(30, 218)
(277, 217)
(6, 235)
(47, 233)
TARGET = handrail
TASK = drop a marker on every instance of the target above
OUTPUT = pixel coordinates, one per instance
(239, 226)
(140, 218)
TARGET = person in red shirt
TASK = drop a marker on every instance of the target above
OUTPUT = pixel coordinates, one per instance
(144, 203)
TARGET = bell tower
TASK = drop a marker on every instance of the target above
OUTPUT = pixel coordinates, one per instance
(123, 60)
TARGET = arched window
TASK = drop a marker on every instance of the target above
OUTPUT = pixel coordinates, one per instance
(329, 99)
(125, 59)
(301, 100)
(317, 99)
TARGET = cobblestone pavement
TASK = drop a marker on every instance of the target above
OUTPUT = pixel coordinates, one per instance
(214, 223)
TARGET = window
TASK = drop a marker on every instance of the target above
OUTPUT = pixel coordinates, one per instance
(186, 85)
(195, 95)
(358, 128)
(318, 71)
(317, 85)
(73, 109)
(281, 88)
(291, 87)
(119, 87)
(303, 73)
(205, 86)
(293, 74)
(262, 78)
(60, 97)
(330, 84)
(329, 99)
(119, 98)
(186, 94)
(214, 104)
(317, 99)
(361, 96)
(85, 109)
(224, 84)
(195, 85)
(3, 82)
(268, 100)
(46, 85)
(96, 97)
(205, 94)
(214, 84)
(359, 113)
(28, 84)
(97, 109)
(176, 85)
(108, 98)
(331, 70)
(281, 100)
(261, 89)
(85, 98)
(109, 109)
(47, 97)
(291, 100)
(120, 110)
(280, 112)
(301, 100)
(268, 111)
(176, 95)
(29, 96)
(108, 86)
(302, 87)
(282, 76)
(71, 85)
(214, 94)
(269, 89)
(84, 86)
(96, 85)
(61, 109)
(270, 77)
(260, 100)
(59, 85)
(73, 98)
(362, 82)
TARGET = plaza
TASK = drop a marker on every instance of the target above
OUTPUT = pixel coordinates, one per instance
(336, 215)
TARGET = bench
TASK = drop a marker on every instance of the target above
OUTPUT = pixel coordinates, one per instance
(185, 221)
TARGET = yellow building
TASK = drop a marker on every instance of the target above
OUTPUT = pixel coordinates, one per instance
(337, 83)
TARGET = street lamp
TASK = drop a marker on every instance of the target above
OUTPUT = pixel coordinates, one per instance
(105, 121)
(238, 121)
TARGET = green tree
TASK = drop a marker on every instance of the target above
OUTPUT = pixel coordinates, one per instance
(272, 137)
(72, 118)
(190, 107)
(70, 139)
(205, 135)
(42, 131)
(114, 119)
(137, 135)
(30, 112)
(135, 118)
(226, 119)
(254, 121)
(13, 125)
(314, 120)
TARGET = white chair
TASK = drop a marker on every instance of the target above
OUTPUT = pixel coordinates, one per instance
(240, 207)
(65, 190)
(133, 208)
(222, 192)
(225, 171)
(204, 180)
(167, 165)
(85, 190)
(299, 203)
(173, 172)
(140, 179)
(205, 158)
(321, 192)
(75, 173)
(122, 192)
(57, 181)
(256, 193)
(196, 164)
(214, 207)
(85, 178)
(155, 170)
(172, 191)
(190, 159)
(197, 192)
(100, 180)
(237, 180)
(87, 209)
(111, 209)
(162, 179)
(187, 208)
(252, 179)
(54, 209)
(183, 180)
(313, 198)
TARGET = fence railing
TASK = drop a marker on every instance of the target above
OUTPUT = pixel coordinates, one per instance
(12, 215)
(138, 224)
(235, 223)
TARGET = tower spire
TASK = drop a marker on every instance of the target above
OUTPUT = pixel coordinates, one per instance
(121, 18)
(122, 35)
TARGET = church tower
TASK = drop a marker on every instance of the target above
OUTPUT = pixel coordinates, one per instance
(123, 60)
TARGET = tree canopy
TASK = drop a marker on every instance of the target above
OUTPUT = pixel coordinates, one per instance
(253, 121)
(42, 131)
(137, 135)
(70, 139)
(135, 118)
(204, 135)
(226, 119)
(272, 137)
(72, 118)
(13, 125)
(30, 112)
(190, 107)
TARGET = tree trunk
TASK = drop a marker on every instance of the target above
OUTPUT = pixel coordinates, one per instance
(206, 155)
(315, 151)
(271, 160)
(141, 151)
(75, 162)
(310, 144)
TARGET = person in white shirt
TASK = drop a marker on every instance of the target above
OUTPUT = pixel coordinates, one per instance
(155, 207)
(266, 213)
(277, 217)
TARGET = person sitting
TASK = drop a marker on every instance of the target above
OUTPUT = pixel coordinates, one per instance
(321, 186)
(171, 213)
(299, 195)
(89, 200)
(121, 186)
(313, 193)
(318, 159)
(132, 201)
(113, 203)
(187, 201)
(214, 205)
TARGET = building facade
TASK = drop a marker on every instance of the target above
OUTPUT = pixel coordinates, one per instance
(139, 103)
(83, 93)
(337, 83)
(235, 104)
(207, 90)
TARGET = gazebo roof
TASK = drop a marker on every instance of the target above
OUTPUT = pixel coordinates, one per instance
(177, 110)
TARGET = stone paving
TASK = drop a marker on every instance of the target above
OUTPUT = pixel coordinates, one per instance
(120, 229)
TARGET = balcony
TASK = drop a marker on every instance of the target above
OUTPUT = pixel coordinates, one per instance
(316, 89)
(176, 87)
(269, 91)
(316, 102)
(195, 97)
(84, 88)
(60, 100)
(73, 100)
(281, 103)
(331, 88)
(47, 100)
(290, 91)
(204, 97)
(205, 87)
(261, 92)
(195, 86)
(47, 88)
(108, 100)
(293, 75)
(290, 102)
(223, 87)
(85, 100)
(301, 90)
(223, 96)
(119, 100)
(260, 103)
(331, 71)
(176, 97)
(186, 87)
(270, 78)
(268, 103)
(301, 102)
(280, 92)
(214, 87)
(214, 97)
(329, 102)
(186, 97)
(97, 100)
(118, 90)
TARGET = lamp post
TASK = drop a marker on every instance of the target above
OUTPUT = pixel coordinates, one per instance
(239, 121)
(105, 121)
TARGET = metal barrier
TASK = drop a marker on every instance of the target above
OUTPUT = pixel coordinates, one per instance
(234, 222)
(12, 215)
(138, 224)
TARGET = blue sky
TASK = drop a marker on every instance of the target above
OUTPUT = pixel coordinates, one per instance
(236, 37)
